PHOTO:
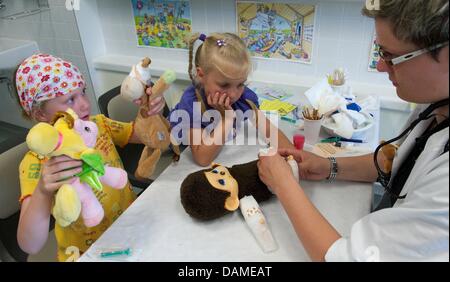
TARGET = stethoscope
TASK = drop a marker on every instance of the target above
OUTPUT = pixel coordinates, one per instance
(384, 178)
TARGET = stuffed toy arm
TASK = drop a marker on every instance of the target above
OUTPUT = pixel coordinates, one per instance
(257, 223)
(114, 177)
(91, 210)
(163, 83)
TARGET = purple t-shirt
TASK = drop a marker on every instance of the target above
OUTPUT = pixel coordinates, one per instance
(187, 113)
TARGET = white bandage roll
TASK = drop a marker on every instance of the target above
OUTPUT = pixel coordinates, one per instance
(294, 166)
(144, 73)
(257, 223)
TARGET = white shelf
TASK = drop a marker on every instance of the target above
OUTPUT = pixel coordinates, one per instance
(120, 63)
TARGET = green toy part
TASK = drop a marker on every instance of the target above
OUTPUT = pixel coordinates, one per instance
(92, 169)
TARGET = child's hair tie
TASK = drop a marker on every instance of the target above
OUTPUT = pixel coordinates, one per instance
(202, 37)
(221, 43)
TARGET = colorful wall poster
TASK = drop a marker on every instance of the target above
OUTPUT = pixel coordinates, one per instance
(162, 23)
(277, 30)
(374, 56)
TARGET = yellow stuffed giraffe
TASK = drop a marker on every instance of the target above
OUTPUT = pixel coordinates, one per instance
(76, 138)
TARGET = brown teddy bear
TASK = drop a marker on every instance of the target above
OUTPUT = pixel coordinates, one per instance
(154, 131)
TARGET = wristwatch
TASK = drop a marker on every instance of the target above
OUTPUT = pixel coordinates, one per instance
(333, 169)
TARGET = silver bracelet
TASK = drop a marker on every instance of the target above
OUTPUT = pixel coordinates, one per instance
(333, 169)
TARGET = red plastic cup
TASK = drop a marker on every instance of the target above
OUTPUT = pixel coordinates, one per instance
(299, 141)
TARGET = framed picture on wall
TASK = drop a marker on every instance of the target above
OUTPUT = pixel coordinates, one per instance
(374, 56)
(274, 30)
(162, 23)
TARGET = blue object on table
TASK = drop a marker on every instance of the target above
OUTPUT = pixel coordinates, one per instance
(341, 139)
(354, 107)
(289, 119)
(295, 113)
(125, 252)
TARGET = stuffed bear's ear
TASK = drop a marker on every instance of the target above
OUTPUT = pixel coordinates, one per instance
(232, 203)
(132, 89)
(67, 116)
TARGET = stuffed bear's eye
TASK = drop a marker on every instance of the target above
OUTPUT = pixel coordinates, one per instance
(222, 173)
(214, 171)
(222, 182)
(87, 129)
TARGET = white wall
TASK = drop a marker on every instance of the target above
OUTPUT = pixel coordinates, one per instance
(55, 31)
(342, 37)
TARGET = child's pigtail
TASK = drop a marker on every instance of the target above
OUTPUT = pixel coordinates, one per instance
(192, 41)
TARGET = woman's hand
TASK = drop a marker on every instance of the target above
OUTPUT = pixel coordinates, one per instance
(156, 105)
(56, 172)
(219, 101)
(310, 166)
(273, 170)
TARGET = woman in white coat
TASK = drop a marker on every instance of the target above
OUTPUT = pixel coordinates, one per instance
(413, 224)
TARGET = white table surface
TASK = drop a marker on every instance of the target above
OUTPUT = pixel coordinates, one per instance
(157, 228)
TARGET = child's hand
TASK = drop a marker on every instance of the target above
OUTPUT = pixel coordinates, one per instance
(56, 172)
(219, 101)
(156, 104)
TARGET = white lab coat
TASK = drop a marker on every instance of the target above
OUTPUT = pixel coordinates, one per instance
(416, 228)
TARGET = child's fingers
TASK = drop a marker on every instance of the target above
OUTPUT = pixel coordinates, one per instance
(63, 175)
(228, 104)
(209, 99)
(215, 98)
(156, 110)
(156, 105)
(63, 165)
(156, 101)
(222, 98)
(149, 91)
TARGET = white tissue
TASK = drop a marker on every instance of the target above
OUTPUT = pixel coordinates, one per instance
(257, 223)
(319, 90)
(330, 103)
(357, 118)
(344, 125)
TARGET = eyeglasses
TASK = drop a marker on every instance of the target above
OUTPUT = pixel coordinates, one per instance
(391, 60)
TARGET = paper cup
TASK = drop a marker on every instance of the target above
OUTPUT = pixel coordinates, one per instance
(312, 130)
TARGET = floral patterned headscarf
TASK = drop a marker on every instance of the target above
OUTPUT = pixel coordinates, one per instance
(43, 77)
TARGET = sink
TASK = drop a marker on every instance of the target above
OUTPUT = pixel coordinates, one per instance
(13, 51)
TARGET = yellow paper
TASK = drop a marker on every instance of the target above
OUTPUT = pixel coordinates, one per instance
(276, 105)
